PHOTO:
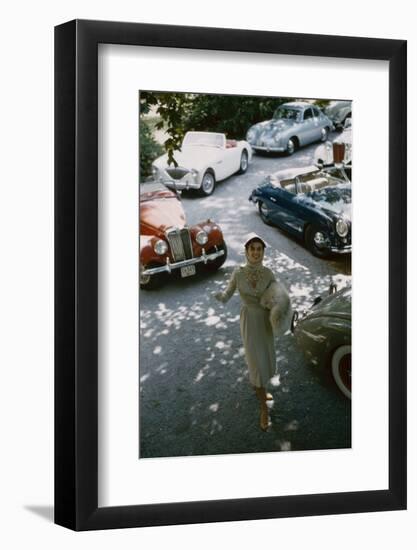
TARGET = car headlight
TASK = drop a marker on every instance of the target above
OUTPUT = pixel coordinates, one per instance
(160, 247)
(201, 238)
(194, 173)
(277, 138)
(342, 228)
(250, 136)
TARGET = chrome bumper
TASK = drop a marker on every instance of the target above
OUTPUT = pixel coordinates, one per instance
(344, 250)
(268, 149)
(168, 267)
(180, 185)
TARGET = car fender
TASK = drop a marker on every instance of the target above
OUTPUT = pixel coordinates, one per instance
(147, 253)
(214, 234)
(244, 145)
(316, 215)
(320, 335)
(208, 168)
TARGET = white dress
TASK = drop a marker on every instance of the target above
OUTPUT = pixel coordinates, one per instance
(255, 326)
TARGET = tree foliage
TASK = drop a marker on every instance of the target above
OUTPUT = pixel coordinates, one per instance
(149, 149)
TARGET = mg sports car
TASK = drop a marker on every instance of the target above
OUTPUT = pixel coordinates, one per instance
(168, 246)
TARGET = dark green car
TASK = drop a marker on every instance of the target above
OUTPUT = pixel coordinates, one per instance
(324, 334)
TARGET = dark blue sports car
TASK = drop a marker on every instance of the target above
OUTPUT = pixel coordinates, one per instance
(312, 204)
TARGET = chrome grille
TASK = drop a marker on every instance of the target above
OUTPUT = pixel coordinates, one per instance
(177, 173)
(180, 243)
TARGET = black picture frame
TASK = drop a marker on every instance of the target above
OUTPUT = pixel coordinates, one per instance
(76, 272)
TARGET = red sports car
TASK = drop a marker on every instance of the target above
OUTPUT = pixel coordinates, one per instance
(167, 244)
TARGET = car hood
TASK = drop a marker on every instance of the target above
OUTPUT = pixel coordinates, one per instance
(338, 304)
(161, 213)
(274, 125)
(335, 199)
(337, 108)
(193, 156)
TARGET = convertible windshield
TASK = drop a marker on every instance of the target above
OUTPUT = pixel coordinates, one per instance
(288, 114)
(204, 139)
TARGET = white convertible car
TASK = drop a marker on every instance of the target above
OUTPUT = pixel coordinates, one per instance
(204, 159)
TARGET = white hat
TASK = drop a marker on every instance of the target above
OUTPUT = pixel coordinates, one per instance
(251, 236)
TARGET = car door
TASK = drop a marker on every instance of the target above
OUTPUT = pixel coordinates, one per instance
(308, 127)
(317, 123)
(280, 201)
(231, 162)
(303, 210)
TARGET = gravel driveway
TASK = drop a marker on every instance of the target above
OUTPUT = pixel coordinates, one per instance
(195, 397)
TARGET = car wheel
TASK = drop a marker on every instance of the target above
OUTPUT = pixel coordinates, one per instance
(290, 149)
(324, 134)
(208, 183)
(263, 212)
(218, 262)
(317, 241)
(342, 369)
(349, 115)
(244, 162)
(152, 282)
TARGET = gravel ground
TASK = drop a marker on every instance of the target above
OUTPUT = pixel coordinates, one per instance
(195, 397)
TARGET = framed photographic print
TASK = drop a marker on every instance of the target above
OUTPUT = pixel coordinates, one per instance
(220, 265)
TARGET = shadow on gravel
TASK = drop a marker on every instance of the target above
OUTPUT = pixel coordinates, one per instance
(195, 397)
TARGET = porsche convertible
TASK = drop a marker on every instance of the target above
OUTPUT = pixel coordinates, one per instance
(312, 204)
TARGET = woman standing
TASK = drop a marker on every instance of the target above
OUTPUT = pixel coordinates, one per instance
(252, 280)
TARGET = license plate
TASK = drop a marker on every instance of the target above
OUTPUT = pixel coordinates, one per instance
(188, 270)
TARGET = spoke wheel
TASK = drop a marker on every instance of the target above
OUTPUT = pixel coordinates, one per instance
(342, 370)
(152, 282)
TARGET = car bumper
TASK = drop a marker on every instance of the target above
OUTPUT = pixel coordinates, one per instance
(341, 250)
(169, 267)
(187, 182)
(268, 149)
(181, 185)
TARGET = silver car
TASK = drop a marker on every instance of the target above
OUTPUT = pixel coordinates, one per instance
(339, 112)
(293, 125)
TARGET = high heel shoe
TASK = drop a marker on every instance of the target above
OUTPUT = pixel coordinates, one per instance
(264, 421)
